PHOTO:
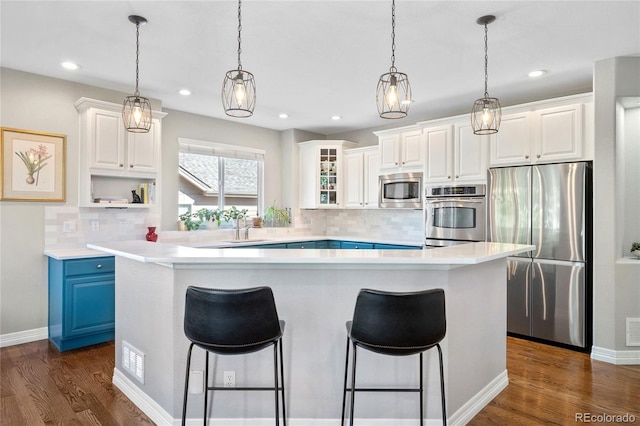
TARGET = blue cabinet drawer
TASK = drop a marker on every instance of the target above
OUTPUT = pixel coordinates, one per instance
(354, 245)
(395, 247)
(270, 246)
(94, 265)
(302, 245)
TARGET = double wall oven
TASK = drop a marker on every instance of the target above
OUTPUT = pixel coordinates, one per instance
(454, 214)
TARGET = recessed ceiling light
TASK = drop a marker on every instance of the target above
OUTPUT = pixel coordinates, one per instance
(71, 66)
(336, 117)
(283, 115)
(184, 92)
(537, 73)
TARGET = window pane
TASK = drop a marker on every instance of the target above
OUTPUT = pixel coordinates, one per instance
(241, 184)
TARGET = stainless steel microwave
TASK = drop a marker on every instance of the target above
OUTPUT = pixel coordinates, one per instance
(400, 191)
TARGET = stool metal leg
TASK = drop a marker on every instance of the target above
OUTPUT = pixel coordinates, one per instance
(275, 377)
(344, 391)
(284, 412)
(444, 406)
(421, 394)
(353, 384)
(186, 386)
(206, 385)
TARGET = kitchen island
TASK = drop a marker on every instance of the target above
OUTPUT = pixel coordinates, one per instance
(315, 292)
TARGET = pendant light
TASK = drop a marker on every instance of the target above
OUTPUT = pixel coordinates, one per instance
(136, 110)
(486, 113)
(239, 87)
(393, 94)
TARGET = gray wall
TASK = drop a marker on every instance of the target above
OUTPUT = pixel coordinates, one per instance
(42, 104)
(616, 284)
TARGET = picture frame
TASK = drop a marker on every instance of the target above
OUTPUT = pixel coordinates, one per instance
(32, 165)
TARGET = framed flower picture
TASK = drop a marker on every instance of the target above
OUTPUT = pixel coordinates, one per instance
(32, 165)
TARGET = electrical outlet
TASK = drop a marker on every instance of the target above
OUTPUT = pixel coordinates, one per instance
(95, 225)
(229, 379)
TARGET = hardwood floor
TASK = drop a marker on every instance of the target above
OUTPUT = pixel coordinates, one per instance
(547, 386)
(550, 386)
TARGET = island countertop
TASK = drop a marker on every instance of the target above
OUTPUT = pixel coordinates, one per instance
(465, 254)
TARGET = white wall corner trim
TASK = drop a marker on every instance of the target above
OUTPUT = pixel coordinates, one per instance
(615, 357)
(25, 336)
(161, 417)
(479, 401)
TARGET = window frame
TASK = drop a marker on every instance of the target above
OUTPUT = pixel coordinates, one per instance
(222, 151)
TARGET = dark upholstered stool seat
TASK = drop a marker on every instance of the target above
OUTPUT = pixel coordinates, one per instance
(396, 324)
(233, 322)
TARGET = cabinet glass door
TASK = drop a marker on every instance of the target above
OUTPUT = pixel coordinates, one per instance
(328, 176)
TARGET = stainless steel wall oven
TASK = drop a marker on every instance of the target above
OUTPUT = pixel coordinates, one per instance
(454, 214)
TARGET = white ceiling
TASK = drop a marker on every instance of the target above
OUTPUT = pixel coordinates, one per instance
(315, 59)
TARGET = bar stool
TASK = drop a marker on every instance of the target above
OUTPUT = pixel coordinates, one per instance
(233, 322)
(396, 324)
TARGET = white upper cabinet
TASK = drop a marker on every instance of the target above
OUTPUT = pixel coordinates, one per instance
(543, 135)
(362, 167)
(113, 162)
(439, 147)
(470, 154)
(112, 149)
(401, 149)
(455, 154)
(322, 174)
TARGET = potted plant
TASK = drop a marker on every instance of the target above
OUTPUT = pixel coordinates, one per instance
(235, 214)
(275, 216)
(635, 249)
(209, 215)
(187, 222)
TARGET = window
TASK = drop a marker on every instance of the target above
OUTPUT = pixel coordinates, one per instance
(218, 176)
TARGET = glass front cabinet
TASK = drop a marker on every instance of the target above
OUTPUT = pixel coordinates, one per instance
(321, 173)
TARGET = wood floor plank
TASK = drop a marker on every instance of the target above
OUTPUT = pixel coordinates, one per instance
(547, 386)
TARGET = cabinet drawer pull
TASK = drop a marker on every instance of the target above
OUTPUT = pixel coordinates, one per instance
(131, 166)
(538, 155)
(526, 156)
(121, 165)
(99, 266)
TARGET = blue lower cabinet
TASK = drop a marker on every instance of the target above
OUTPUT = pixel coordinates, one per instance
(395, 247)
(354, 245)
(302, 245)
(81, 301)
(270, 246)
(322, 244)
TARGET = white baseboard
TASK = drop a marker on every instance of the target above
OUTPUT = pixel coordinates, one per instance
(615, 357)
(159, 416)
(25, 336)
(479, 400)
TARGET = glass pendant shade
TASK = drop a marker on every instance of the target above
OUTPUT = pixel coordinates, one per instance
(486, 116)
(239, 93)
(393, 95)
(136, 114)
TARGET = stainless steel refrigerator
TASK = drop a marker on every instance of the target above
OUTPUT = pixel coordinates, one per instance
(549, 289)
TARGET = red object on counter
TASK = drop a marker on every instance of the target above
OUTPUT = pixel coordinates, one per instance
(151, 235)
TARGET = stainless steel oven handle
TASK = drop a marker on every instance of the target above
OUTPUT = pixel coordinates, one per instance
(454, 200)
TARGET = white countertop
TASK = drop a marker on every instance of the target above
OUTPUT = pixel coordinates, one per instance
(75, 253)
(465, 254)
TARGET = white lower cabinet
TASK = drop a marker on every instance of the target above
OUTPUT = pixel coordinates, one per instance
(362, 167)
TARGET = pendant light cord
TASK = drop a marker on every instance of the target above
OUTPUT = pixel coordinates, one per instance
(393, 37)
(137, 92)
(486, 61)
(239, 33)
